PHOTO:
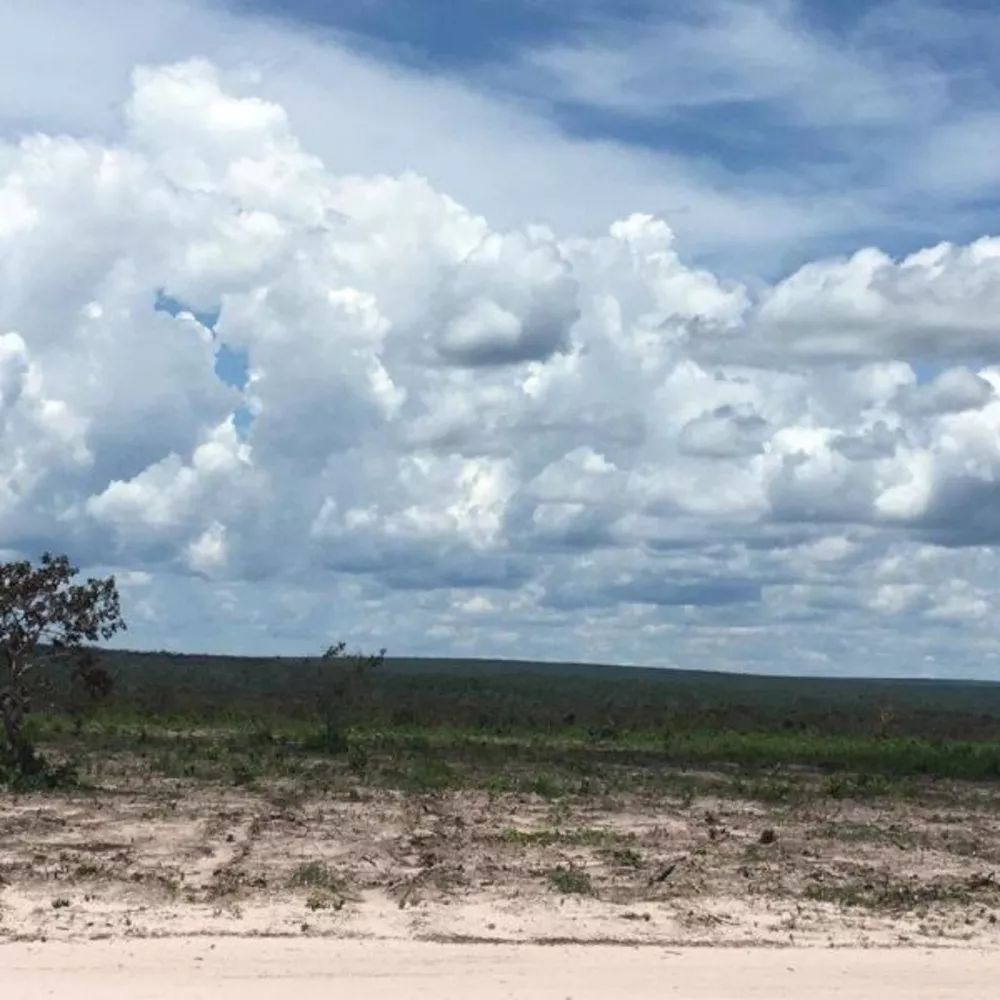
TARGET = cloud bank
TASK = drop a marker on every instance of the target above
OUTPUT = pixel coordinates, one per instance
(453, 437)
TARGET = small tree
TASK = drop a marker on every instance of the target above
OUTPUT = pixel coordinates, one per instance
(343, 682)
(42, 607)
(90, 683)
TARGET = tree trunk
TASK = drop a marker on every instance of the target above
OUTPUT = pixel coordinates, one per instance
(12, 711)
(12, 708)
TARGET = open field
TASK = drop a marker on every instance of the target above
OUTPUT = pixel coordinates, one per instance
(151, 857)
(545, 813)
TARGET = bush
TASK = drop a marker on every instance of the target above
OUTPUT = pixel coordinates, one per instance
(343, 689)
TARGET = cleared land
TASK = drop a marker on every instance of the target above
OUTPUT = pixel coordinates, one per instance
(461, 815)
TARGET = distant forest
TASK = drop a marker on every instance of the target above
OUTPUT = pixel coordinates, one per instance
(501, 695)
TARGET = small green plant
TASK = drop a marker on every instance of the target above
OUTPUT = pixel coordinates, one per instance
(570, 881)
(327, 889)
(357, 758)
(546, 787)
(606, 733)
(886, 894)
(430, 775)
(524, 838)
(226, 883)
(323, 899)
(859, 786)
(242, 773)
(872, 833)
(627, 857)
(29, 771)
(260, 735)
(584, 837)
(768, 788)
(314, 875)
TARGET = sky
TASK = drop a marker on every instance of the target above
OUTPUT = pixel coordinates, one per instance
(636, 332)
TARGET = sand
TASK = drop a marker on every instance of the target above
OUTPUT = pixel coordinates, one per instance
(183, 890)
(179, 861)
(248, 969)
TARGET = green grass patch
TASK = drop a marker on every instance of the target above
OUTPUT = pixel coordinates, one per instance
(551, 762)
(570, 881)
(586, 837)
(314, 875)
(883, 893)
(429, 775)
(865, 833)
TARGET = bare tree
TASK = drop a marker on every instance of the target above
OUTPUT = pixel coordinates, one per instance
(343, 682)
(41, 606)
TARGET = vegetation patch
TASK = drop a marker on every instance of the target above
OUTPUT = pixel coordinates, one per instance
(314, 875)
(883, 892)
(587, 837)
(570, 881)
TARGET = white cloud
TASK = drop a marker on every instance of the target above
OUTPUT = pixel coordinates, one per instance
(937, 304)
(737, 52)
(477, 139)
(894, 102)
(207, 553)
(472, 436)
(950, 391)
(512, 298)
(725, 432)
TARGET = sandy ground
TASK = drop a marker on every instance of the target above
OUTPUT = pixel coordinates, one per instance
(179, 889)
(185, 890)
(243, 969)
(168, 860)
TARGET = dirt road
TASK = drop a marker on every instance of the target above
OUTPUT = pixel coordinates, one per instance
(259, 968)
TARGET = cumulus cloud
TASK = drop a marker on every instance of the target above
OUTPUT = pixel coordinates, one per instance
(950, 391)
(938, 304)
(511, 299)
(459, 437)
(725, 432)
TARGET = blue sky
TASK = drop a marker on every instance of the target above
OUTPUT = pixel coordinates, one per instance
(928, 70)
(647, 332)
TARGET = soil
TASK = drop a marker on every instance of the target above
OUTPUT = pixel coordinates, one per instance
(166, 858)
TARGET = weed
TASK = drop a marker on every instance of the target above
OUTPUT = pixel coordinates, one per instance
(545, 786)
(769, 789)
(498, 784)
(357, 758)
(327, 740)
(570, 881)
(880, 892)
(242, 773)
(34, 773)
(314, 875)
(585, 837)
(324, 899)
(227, 882)
(858, 786)
(871, 833)
(627, 857)
(430, 775)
